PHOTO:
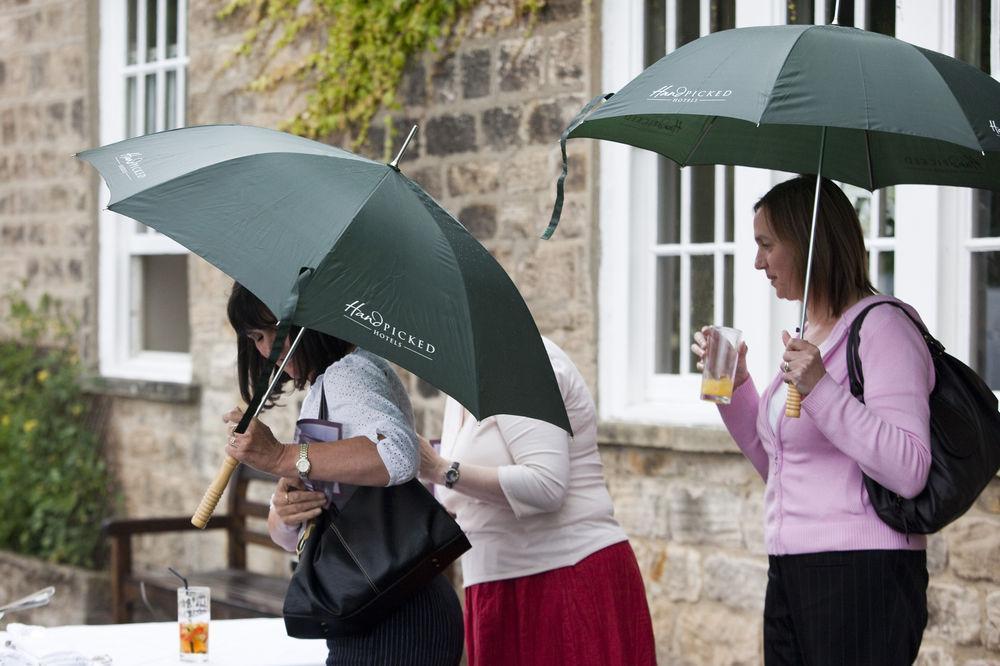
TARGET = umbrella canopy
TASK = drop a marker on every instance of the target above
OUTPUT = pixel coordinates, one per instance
(893, 112)
(851, 105)
(372, 258)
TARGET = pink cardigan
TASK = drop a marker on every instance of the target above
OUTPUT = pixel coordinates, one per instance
(815, 499)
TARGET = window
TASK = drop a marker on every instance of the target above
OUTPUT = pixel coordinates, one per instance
(145, 327)
(976, 42)
(672, 228)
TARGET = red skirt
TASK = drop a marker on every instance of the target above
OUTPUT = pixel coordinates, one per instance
(592, 613)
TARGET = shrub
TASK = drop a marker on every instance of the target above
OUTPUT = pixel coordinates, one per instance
(54, 483)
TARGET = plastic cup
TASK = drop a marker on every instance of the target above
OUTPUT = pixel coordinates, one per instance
(193, 614)
(721, 353)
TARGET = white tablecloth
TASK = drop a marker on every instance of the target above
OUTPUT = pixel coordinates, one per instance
(256, 642)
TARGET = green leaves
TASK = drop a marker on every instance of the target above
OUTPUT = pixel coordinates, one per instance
(54, 484)
(359, 51)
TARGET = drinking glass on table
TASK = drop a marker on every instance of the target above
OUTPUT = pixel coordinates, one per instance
(722, 345)
(193, 615)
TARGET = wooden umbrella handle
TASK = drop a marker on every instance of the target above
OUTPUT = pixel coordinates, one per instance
(214, 492)
(793, 403)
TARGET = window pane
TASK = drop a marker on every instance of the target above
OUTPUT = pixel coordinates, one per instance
(972, 33)
(986, 214)
(170, 112)
(886, 279)
(669, 223)
(668, 315)
(887, 216)
(799, 12)
(172, 28)
(727, 299)
(702, 293)
(723, 15)
(165, 325)
(688, 21)
(882, 17)
(656, 30)
(133, 31)
(151, 30)
(150, 120)
(130, 107)
(702, 204)
(985, 333)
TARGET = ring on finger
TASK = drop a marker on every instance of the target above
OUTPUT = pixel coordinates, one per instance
(286, 498)
(232, 440)
(785, 366)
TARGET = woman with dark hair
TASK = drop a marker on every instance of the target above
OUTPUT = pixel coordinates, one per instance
(377, 447)
(843, 587)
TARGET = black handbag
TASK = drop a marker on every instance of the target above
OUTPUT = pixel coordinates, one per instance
(965, 440)
(360, 562)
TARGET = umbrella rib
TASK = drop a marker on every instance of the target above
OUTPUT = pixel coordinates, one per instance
(868, 156)
(701, 137)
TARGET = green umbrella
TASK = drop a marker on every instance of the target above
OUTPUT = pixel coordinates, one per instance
(851, 105)
(340, 244)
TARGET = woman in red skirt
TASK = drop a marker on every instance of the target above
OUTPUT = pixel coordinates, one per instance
(551, 577)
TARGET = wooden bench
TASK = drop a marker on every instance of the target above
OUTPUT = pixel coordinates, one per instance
(236, 592)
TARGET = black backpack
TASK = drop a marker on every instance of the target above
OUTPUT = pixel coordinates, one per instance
(965, 440)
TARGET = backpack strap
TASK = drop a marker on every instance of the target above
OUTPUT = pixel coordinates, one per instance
(855, 375)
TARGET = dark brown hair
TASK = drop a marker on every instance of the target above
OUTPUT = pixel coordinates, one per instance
(840, 261)
(315, 353)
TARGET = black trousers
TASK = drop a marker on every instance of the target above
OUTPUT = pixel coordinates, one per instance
(853, 608)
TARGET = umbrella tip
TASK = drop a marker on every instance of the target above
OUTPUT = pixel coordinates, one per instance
(395, 161)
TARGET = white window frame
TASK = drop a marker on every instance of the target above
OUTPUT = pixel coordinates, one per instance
(629, 389)
(932, 242)
(122, 245)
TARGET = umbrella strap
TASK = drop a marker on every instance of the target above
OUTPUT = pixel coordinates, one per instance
(260, 391)
(560, 184)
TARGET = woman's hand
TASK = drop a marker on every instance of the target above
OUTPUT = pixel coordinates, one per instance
(257, 446)
(432, 465)
(702, 344)
(294, 504)
(802, 364)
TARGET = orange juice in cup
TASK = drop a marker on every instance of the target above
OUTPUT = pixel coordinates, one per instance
(193, 615)
(722, 346)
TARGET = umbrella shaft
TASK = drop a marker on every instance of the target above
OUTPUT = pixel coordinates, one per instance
(277, 373)
(812, 236)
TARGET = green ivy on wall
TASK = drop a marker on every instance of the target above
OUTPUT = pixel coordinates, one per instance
(359, 51)
(55, 488)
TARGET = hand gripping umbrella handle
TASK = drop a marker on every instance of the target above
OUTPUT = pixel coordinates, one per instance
(214, 492)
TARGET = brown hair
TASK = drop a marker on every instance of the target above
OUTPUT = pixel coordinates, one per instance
(840, 261)
(316, 351)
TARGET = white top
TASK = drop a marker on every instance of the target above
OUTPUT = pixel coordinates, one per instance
(364, 395)
(559, 509)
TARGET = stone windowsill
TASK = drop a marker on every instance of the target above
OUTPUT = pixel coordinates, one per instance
(658, 436)
(142, 389)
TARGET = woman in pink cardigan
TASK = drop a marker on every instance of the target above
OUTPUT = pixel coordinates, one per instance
(843, 587)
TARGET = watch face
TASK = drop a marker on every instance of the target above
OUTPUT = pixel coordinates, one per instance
(451, 476)
(302, 464)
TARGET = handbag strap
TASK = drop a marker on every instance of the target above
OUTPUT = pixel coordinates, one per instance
(855, 374)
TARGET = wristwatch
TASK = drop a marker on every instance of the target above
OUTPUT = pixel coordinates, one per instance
(302, 464)
(451, 475)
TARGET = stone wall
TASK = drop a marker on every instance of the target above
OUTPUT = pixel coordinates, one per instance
(48, 208)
